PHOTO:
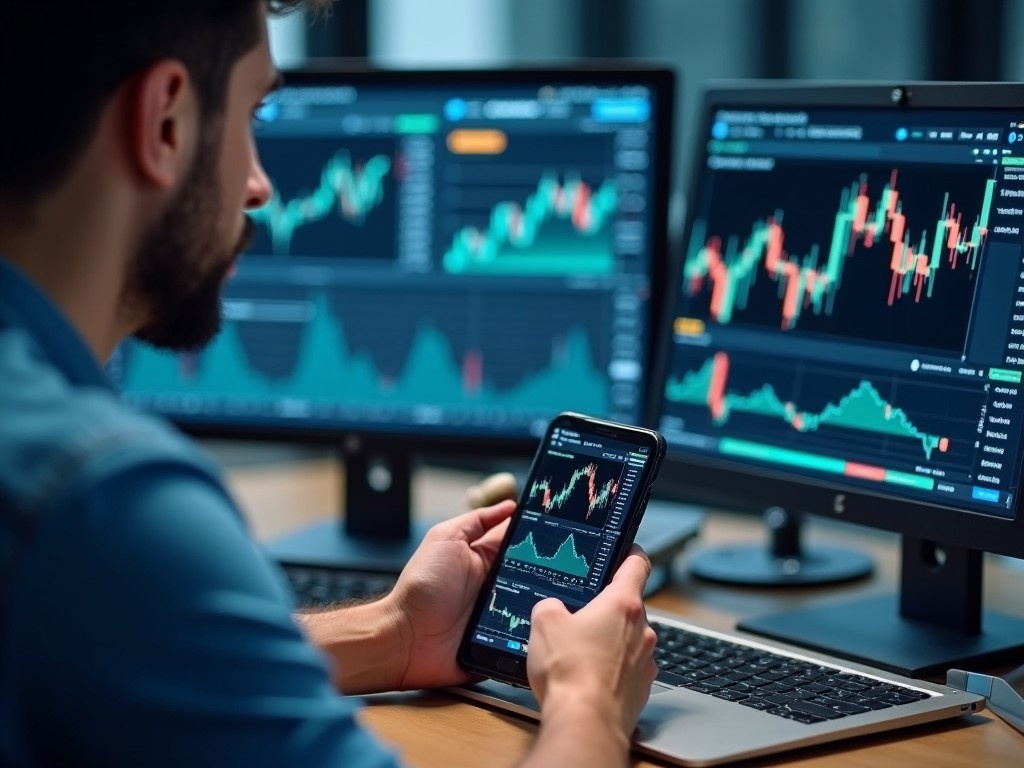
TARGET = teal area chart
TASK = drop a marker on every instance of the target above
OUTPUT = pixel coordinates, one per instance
(522, 215)
(556, 549)
(332, 354)
(822, 408)
(563, 227)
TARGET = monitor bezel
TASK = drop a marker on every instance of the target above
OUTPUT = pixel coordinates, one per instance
(662, 80)
(722, 482)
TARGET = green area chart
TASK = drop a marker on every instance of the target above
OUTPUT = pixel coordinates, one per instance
(862, 409)
(329, 371)
(562, 228)
(565, 559)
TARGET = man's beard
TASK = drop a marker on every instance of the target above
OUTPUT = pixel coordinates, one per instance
(180, 267)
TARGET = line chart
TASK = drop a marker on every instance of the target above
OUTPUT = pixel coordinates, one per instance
(349, 188)
(514, 621)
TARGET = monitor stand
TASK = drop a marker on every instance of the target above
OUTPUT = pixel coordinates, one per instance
(784, 562)
(376, 532)
(936, 623)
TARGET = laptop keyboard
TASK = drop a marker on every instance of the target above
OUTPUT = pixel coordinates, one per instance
(779, 685)
(316, 586)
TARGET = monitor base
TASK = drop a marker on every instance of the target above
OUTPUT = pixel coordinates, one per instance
(872, 631)
(784, 561)
(328, 545)
(757, 566)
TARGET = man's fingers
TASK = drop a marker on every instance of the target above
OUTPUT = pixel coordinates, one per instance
(634, 571)
(472, 525)
(489, 544)
(547, 606)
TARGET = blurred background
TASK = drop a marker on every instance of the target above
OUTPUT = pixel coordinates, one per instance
(703, 39)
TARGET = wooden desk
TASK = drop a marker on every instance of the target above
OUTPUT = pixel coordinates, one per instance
(438, 729)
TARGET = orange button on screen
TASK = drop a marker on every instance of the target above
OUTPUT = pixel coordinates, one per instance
(477, 142)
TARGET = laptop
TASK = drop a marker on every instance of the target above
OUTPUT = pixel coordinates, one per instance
(722, 697)
(705, 724)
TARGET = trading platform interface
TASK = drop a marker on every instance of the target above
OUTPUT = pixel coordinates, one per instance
(458, 257)
(561, 546)
(851, 305)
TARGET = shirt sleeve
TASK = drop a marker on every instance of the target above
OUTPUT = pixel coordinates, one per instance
(162, 636)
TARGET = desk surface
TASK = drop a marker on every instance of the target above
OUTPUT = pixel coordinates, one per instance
(437, 729)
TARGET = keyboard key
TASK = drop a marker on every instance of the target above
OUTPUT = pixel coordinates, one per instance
(756, 703)
(776, 688)
(808, 708)
(800, 717)
(729, 695)
(718, 682)
(671, 678)
(845, 707)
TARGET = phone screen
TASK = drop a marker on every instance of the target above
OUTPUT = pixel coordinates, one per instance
(579, 508)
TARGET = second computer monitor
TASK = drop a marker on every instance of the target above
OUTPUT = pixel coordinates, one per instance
(846, 334)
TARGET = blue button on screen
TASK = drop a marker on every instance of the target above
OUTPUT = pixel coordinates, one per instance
(621, 110)
(985, 494)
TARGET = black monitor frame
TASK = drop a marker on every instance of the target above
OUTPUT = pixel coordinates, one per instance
(938, 616)
(377, 531)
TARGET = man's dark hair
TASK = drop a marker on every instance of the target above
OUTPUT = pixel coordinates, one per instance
(60, 63)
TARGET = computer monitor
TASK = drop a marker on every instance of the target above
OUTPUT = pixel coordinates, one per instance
(846, 338)
(449, 259)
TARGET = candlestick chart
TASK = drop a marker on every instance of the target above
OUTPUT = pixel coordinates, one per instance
(844, 413)
(327, 201)
(562, 227)
(578, 489)
(806, 250)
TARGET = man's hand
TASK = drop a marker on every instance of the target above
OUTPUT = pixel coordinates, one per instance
(593, 668)
(437, 590)
(409, 638)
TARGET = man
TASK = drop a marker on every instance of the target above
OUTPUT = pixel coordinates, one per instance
(140, 625)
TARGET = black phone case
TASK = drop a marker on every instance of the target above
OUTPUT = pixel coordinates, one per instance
(509, 667)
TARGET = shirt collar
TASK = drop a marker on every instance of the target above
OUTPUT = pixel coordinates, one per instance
(23, 303)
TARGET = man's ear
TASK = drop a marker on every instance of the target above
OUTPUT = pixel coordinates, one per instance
(164, 123)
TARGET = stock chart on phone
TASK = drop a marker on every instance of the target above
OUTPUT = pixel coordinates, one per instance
(851, 300)
(562, 543)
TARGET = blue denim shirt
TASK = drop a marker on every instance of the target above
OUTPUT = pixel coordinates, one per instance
(140, 623)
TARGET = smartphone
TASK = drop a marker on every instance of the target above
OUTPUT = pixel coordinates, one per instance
(579, 510)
